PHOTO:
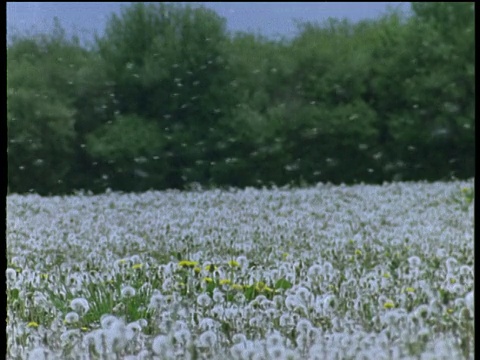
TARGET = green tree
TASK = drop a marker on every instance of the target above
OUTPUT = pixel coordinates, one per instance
(168, 66)
(40, 112)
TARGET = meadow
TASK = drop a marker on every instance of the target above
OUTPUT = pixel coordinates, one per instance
(324, 272)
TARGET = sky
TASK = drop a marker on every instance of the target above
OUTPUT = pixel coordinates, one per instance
(272, 19)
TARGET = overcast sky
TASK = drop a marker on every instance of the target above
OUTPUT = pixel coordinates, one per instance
(270, 19)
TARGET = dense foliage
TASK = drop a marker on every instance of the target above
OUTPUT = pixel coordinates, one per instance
(167, 98)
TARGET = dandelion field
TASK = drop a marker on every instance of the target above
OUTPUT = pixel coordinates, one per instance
(326, 272)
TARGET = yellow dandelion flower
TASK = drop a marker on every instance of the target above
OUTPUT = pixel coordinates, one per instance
(187, 263)
(207, 279)
(410, 289)
(197, 270)
(358, 252)
(83, 328)
(225, 281)
(260, 286)
(388, 304)
(233, 263)
(237, 287)
(387, 276)
(453, 280)
(32, 324)
(137, 266)
(44, 276)
(211, 267)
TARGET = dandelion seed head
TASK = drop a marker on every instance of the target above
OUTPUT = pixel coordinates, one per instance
(128, 292)
(204, 300)
(161, 345)
(239, 339)
(156, 302)
(71, 317)
(469, 301)
(414, 261)
(208, 339)
(303, 326)
(183, 336)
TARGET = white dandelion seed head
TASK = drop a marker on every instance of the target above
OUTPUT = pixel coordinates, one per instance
(128, 291)
(180, 325)
(208, 339)
(274, 339)
(422, 311)
(39, 353)
(11, 274)
(107, 321)
(80, 305)
(315, 271)
(237, 351)
(218, 296)
(161, 344)
(69, 335)
(276, 351)
(465, 270)
(135, 327)
(183, 336)
(208, 324)
(204, 300)
(303, 326)
(469, 300)
(72, 317)
(239, 338)
(316, 352)
(144, 355)
(451, 264)
(304, 294)
(157, 301)
(242, 261)
(414, 261)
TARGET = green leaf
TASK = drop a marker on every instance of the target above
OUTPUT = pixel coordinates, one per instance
(283, 284)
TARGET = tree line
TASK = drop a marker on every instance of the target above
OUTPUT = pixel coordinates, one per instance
(168, 98)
